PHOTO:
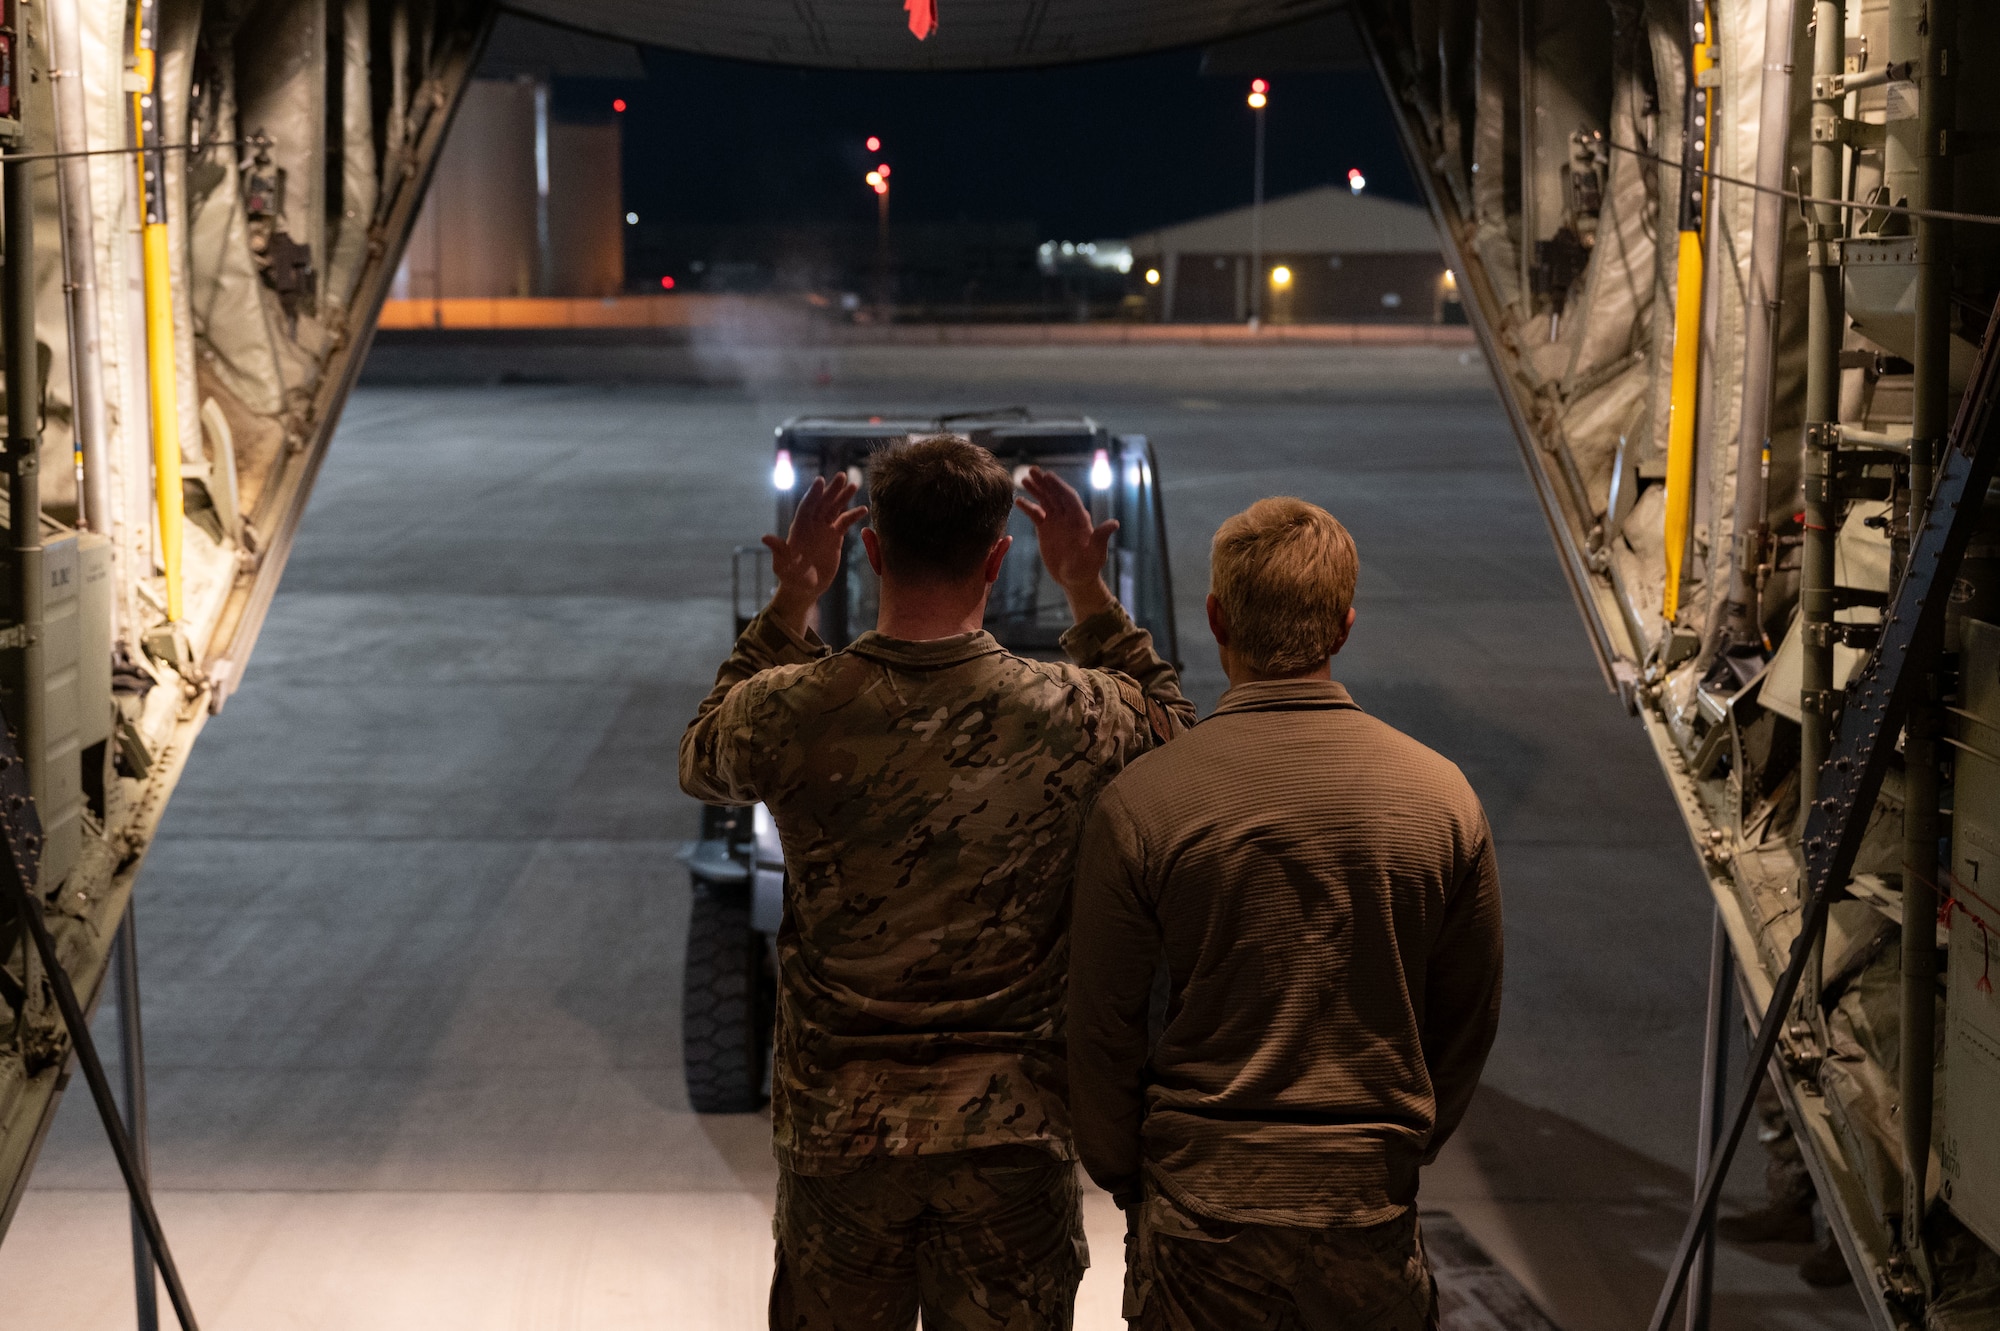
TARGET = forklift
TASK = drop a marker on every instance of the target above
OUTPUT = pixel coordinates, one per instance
(737, 868)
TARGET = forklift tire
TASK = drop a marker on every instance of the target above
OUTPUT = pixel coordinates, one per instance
(725, 1020)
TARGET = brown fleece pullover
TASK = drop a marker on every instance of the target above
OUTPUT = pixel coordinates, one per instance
(1324, 890)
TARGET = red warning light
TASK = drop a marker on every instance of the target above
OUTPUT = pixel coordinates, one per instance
(618, 104)
(666, 284)
(1258, 85)
(874, 144)
(882, 171)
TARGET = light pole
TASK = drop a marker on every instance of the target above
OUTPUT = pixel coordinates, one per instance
(1258, 99)
(878, 180)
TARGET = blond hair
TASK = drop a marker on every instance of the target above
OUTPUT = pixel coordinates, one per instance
(1284, 571)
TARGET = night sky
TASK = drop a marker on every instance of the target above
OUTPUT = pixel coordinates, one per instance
(1085, 152)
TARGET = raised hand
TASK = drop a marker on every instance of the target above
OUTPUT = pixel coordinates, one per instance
(806, 560)
(1073, 551)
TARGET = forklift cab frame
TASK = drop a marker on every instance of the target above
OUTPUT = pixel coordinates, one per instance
(1113, 473)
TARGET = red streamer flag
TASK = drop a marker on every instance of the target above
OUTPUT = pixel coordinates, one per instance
(923, 17)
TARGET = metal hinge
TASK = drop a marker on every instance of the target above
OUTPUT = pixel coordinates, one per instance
(1866, 487)
(1849, 598)
(1854, 133)
(1830, 87)
(1854, 464)
(1844, 635)
(15, 635)
(1820, 702)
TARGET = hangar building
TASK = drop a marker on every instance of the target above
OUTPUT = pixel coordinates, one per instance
(1350, 258)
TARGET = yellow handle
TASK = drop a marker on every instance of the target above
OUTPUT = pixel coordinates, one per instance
(157, 265)
(1680, 417)
(1686, 380)
(166, 408)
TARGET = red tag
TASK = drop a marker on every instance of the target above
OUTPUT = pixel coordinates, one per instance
(923, 17)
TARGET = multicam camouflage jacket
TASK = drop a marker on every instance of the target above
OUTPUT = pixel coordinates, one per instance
(930, 796)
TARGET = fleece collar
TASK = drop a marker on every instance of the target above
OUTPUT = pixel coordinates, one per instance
(1286, 695)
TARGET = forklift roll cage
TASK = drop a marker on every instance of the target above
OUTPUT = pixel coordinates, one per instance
(737, 867)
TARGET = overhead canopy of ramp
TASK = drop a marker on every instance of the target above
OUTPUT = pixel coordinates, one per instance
(971, 34)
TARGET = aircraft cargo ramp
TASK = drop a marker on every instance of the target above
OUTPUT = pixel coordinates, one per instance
(1732, 263)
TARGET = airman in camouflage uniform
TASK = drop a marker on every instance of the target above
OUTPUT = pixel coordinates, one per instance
(930, 790)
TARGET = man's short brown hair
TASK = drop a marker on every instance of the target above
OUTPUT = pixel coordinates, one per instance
(937, 505)
(1284, 571)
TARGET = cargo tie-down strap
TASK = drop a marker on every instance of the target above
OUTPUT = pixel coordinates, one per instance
(21, 842)
(1876, 702)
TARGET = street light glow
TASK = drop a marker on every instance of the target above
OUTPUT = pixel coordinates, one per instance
(1356, 182)
(874, 144)
(1281, 276)
(631, 219)
(1152, 277)
(883, 170)
(874, 181)
(1257, 100)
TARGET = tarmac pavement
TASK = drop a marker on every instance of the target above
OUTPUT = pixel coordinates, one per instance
(411, 936)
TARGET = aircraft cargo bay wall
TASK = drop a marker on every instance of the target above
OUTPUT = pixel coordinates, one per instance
(1731, 401)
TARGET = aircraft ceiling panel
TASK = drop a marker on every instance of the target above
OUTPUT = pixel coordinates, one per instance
(971, 34)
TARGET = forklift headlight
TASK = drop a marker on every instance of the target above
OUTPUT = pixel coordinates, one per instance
(1100, 471)
(782, 474)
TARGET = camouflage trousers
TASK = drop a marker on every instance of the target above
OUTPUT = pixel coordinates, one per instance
(1186, 1272)
(986, 1240)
